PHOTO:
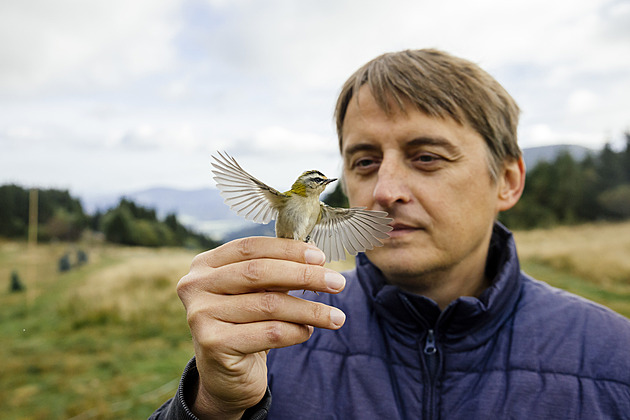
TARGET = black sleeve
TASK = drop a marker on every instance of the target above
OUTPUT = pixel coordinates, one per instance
(177, 409)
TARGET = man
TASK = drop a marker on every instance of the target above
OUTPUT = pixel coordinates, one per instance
(439, 322)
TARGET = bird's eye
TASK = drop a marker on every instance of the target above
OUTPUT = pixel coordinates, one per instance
(318, 180)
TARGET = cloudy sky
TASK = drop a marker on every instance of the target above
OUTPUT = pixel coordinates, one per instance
(117, 95)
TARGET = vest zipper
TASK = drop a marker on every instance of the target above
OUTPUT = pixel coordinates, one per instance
(430, 355)
(431, 358)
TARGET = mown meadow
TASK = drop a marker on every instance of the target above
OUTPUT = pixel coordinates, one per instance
(108, 339)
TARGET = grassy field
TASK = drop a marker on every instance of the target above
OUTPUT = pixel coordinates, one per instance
(590, 260)
(108, 339)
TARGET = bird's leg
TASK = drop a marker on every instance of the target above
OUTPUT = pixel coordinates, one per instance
(307, 240)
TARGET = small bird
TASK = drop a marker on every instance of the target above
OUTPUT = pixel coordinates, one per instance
(298, 212)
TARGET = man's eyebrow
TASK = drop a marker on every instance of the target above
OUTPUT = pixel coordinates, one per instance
(417, 141)
(360, 147)
(451, 148)
(433, 141)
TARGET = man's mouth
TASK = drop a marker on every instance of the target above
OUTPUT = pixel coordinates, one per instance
(402, 229)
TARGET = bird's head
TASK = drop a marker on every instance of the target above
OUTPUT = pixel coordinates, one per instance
(311, 183)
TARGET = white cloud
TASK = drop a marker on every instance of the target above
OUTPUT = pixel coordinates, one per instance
(321, 42)
(582, 102)
(176, 137)
(176, 89)
(543, 134)
(22, 133)
(80, 44)
(140, 137)
(280, 139)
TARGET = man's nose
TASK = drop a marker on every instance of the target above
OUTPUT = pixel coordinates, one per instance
(392, 183)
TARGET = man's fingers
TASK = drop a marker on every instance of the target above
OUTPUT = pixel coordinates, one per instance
(241, 324)
(242, 339)
(265, 275)
(252, 248)
(256, 307)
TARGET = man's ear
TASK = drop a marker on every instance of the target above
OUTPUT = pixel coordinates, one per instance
(511, 183)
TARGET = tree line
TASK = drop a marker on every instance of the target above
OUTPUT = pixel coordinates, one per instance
(61, 217)
(566, 191)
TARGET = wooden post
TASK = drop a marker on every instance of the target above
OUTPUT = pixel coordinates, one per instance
(32, 218)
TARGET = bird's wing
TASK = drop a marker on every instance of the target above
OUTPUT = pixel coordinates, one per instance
(247, 196)
(354, 229)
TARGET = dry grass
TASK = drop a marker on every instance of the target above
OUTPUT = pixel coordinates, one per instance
(590, 260)
(141, 285)
(106, 340)
(598, 252)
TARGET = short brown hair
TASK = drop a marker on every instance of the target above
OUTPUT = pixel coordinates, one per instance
(440, 85)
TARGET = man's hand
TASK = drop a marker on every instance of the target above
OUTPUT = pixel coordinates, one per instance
(238, 307)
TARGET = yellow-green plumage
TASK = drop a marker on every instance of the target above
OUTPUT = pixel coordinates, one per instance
(297, 188)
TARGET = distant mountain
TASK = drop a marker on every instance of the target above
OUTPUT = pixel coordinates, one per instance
(204, 210)
(534, 155)
(196, 203)
(252, 229)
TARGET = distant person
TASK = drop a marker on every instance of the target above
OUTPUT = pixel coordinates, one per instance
(440, 323)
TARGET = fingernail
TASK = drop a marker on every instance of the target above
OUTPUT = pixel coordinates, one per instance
(334, 280)
(337, 317)
(314, 256)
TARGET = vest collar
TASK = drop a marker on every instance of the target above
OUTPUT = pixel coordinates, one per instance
(467, 321)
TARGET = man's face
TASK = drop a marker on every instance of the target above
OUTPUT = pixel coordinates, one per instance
(433, 178)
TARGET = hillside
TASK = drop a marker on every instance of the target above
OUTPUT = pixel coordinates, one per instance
(534, 155)
(201, 210)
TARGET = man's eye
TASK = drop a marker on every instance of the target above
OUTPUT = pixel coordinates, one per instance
(427, 158)
(363, 163)
(428, 161)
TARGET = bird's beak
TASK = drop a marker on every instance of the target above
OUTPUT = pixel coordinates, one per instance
(329, 180)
